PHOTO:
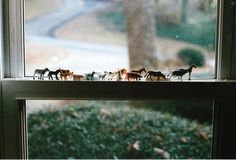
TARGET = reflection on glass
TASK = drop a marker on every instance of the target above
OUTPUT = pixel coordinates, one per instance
(119, 129)
(99, 35)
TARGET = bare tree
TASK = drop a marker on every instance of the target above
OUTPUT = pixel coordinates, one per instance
(184, 11)
(205, 5)
(140, 24)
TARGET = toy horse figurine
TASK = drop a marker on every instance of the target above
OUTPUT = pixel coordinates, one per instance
(116, 74)
(105, 75)
(139, 71)
(179, 73)
(133, 75)
(55, 73)
(65, 74)
(90, 76)
(40, 73)
(120, 74)
(155, 74)
(78, 77)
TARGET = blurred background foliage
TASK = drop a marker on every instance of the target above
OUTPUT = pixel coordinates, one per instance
(171, 24)
(114, 130)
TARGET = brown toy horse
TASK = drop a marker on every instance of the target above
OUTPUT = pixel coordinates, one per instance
(78, 77)
(133, 75)
(158, 74)
(139, 71)
(65, 74)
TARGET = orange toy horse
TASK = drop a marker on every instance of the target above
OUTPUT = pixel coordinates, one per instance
(118, 74)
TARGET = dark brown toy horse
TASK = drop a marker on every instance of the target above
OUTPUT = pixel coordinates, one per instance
(157, 74)
(53, 73)
(139, 71)
(133, 75)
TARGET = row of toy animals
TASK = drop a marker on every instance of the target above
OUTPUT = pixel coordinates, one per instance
(64, 74)
(131, 75)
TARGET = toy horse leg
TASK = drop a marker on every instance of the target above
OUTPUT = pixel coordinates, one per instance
(57, 77)
(103, 77)
(40, 77)
(34, 76)
(189, 76)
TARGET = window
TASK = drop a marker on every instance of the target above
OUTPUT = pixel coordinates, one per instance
(101, 35)
(16, 91)
(88, 38)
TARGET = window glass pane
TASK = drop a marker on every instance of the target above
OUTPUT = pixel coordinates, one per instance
(119, 129)
(99, 35)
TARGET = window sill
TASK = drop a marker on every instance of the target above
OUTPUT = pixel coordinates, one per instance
(142, 90)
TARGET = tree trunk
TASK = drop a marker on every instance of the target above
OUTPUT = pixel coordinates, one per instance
(140, 26)
(184, 11)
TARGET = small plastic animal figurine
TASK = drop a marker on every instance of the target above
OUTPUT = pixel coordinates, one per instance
(116, 74)
(78, 77)
(55, 73)
(104, 75)
(120, 74)
(65, 74)
(180, 72)
(157, 74)
(108, 75)
(90, 76)
(133, 75)
(139, 71)
(40, 73)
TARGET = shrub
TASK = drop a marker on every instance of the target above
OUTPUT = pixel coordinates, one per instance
(200, 111)
(191, 56)
(115, 132)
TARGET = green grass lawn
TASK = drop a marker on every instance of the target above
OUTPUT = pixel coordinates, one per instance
(98, 131)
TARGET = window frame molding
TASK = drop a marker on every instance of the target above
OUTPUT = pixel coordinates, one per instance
(224, 120)
(15, 92)
(1, 39)
(225, 61)
(13, 61)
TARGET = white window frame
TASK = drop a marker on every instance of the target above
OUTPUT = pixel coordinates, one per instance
(16, 91)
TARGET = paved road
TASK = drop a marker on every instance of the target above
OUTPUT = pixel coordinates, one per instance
(80, 55)
(48, 23)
